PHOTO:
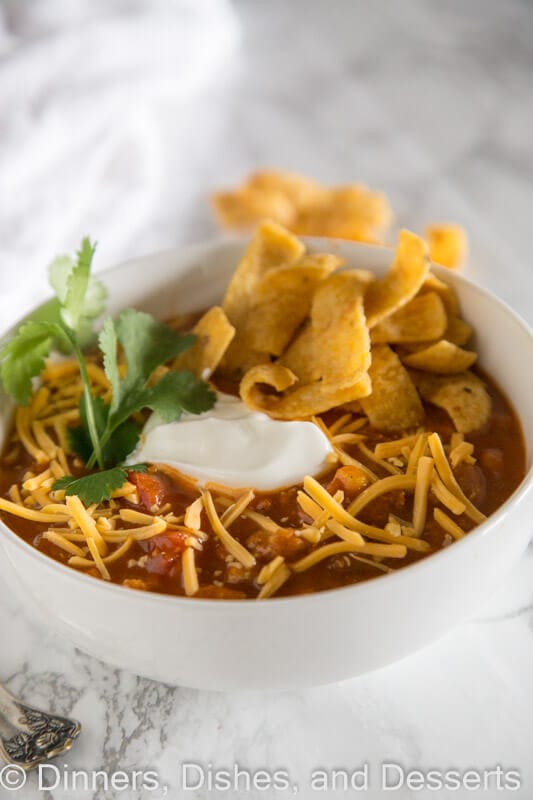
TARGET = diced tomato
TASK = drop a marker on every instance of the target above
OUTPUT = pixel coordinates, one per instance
(171, 542)
(350, 479)
(164, 551)
(159, 564)
(152, 487)
(265, 545)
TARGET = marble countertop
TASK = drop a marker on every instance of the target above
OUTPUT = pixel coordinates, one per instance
(431, 103)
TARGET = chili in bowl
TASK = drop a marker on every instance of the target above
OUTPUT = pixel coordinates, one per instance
(335, 432)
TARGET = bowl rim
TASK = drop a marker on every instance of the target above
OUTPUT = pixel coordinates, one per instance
(402, 574)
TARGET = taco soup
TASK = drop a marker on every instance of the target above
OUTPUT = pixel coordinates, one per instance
(319, 428)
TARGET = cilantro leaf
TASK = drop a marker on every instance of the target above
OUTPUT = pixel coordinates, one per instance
(147, 344)
(23, 357)
(77, 285)
(80, 442)
(177, 392)
(106, 433)
(123, 441)
(79, 437)
(93, 488)
(48, 312)
(99, 486)
(80, 295)
(64, 322)
(108, 345)
(58, 274)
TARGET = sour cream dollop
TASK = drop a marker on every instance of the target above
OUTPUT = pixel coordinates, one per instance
(234, 446)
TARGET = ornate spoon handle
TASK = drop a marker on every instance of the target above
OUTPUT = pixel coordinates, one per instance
(29, 736)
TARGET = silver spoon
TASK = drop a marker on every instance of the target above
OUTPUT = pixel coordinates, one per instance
(29, 736)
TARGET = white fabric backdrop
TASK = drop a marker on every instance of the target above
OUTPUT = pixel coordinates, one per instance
(81, 146)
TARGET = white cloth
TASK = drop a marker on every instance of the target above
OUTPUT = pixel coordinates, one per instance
(81, 87)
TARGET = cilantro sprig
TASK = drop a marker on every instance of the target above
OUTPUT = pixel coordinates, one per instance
(98, 486)
(66, 324)
(108, 432)
(147, 345)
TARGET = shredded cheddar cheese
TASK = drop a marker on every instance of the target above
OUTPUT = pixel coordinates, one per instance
(348, 460)
(385, 485)
(448, 524)
(60, 541)
(423, 482)
(268, 570)
(136, 517)
(393, 448)
(444, 496)
(379, 461)
(356, 425)
(86, 523)
(97, 556)
(462, 452)
(347, 535)
(237, 550)
(190, 575)
(416, 454)
(98, 536)
(339, 424)
(193, 514)
(277, 579)
(386, 551)
(448, 478)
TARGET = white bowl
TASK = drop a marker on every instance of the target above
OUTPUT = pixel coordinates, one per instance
(296, 641)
